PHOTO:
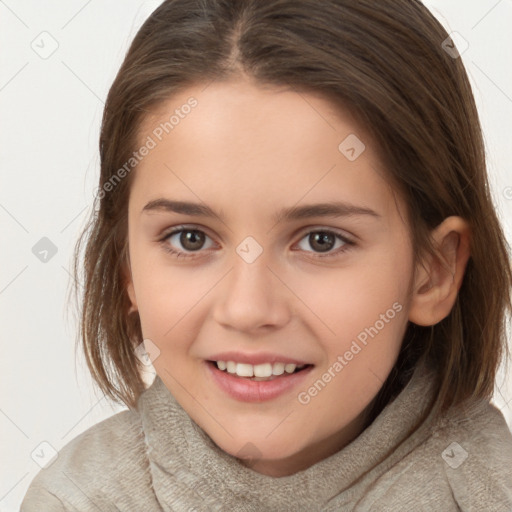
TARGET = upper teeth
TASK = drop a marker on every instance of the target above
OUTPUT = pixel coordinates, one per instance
(257, 370)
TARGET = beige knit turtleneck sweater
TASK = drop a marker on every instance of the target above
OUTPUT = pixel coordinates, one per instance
(159, 459)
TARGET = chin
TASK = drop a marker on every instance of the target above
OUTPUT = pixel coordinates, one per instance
(259, 447)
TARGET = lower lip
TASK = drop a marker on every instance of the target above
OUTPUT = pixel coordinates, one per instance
(247, 390)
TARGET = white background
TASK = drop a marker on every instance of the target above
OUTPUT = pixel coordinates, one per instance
(50, 118)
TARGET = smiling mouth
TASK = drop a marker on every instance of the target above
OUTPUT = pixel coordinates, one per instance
(259, 372)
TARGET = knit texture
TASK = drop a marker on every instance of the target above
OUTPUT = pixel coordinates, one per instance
(159, 459)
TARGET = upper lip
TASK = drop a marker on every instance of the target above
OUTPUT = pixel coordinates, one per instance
(256, 358)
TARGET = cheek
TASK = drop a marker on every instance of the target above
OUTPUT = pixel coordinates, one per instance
(350, 298)
(168, 296)
(362, 311)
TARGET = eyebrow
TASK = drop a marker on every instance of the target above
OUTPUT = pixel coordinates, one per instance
(329, 209)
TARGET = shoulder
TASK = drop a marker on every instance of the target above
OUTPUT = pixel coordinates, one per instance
(466, 460)
(463, 462)
(476, 453)
(106, 462)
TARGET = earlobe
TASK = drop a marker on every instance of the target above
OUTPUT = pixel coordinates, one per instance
(130, 290)
(438, 278)
(131, 294)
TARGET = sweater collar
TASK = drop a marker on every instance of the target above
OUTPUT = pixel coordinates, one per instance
(187, 467)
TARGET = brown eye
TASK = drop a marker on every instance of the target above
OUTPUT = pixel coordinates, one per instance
(185, 241)
(324, 241)
(192, 240)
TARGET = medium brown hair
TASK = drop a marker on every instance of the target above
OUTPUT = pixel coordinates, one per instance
(384, 61)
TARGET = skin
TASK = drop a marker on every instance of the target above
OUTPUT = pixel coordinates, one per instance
(247, 151)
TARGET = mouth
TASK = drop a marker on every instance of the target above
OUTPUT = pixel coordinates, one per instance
(258, 372)
(256, 383)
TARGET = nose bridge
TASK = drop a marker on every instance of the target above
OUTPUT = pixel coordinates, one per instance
(251, 296)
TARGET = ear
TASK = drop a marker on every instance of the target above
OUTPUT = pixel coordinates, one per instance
(128, 283)
(438, 278)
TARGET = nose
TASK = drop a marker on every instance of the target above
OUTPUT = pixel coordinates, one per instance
(251, 298)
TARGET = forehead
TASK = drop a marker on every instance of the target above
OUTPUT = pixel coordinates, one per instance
(241, 111)
(242, 143)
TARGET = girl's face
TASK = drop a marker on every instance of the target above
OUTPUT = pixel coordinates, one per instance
(270, 276)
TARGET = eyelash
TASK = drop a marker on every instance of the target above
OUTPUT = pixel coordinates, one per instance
(180, 254)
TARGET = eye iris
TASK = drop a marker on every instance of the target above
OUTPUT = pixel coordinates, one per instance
(192, 240)
(325, 241)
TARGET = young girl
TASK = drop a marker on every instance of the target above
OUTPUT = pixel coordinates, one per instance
(294, 225)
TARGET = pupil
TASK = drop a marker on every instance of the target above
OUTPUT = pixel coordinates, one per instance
(325, 241)
(192, 240)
